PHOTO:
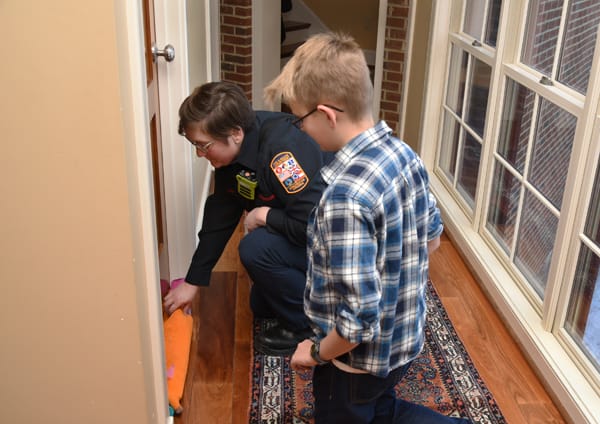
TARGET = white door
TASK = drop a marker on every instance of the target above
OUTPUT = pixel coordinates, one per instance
(166, 83)
(180, 187)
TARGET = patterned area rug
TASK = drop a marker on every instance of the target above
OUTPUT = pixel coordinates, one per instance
(443, 378)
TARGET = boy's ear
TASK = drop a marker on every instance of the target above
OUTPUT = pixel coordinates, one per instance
(330, 114)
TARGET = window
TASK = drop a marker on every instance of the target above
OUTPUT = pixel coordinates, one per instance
(517, 135)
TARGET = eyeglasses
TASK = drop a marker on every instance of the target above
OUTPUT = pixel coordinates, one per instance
(203, 147)
(298, 121)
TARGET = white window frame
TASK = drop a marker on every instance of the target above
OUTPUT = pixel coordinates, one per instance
(536, 326)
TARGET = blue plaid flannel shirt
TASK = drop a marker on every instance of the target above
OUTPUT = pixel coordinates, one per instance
(367, 251)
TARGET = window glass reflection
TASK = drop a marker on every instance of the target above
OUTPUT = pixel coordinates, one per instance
(579, 43)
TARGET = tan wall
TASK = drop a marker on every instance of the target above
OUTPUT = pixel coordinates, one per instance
(356, 17)
(70, 339)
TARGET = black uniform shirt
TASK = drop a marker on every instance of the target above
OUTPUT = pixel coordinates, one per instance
(286, 163)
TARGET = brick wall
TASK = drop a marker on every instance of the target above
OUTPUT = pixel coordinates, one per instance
(396, 28)
(236, 52)
(236, 43)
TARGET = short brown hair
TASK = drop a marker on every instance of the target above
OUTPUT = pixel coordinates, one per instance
(219, 106)
(327, 68)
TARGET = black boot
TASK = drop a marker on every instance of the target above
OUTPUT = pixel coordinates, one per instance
(278, 340)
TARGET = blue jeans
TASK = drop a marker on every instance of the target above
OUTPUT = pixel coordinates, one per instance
(341, 397)
(277, 269)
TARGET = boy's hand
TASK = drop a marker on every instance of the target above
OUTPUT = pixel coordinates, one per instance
(180, 297)
(301, 358)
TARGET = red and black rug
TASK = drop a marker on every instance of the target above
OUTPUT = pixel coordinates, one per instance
(443, 378)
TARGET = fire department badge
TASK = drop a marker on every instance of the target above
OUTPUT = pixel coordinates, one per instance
(289, 172)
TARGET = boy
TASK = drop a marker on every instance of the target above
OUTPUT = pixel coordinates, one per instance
(368, 241)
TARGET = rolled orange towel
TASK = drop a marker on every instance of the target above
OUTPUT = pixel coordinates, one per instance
(178, 338)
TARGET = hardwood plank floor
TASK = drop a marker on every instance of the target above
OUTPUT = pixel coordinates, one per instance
(218, 384)
(501, 364)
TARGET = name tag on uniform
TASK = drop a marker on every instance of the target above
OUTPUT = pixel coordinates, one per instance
(289, 172)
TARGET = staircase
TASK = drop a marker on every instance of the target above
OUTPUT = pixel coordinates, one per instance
(290, 27)
(300, 23)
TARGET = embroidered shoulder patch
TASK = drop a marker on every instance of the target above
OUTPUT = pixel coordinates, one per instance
(289, 173)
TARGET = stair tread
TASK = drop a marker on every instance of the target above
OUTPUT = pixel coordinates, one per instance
(295, 25)
(289, 49)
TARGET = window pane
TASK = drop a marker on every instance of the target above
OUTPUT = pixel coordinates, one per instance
(541, 34)
(535, 242)
(449, 145)
(592, 225)
(491, 31)
(478, 95)
(456, 80)
(516, 124)
(504, 205)
(583, 315)
(469, 168)
(474, 18)
(552, 151)
(579, 43)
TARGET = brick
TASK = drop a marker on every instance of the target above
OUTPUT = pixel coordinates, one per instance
(394, 76)
(236, 21)
(389, 105)
(390, 85)
(391, 96)
(230, 39)
(243, 50)
(399, 23)
(226, 10)
(243, 11)
(227, 66)
(228, 48)
(232, 58)
(227, 29)
(243, 31)
(236, 2)
(394, 56)
(244, 69)
(232, 76)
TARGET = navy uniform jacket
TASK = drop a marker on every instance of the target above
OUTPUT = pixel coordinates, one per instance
(286, 162)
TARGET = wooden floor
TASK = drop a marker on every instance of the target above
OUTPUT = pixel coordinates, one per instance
(218, 384)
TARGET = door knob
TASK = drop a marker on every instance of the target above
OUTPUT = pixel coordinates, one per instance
(168, 53)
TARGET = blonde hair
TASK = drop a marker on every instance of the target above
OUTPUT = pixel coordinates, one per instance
(329, 68)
